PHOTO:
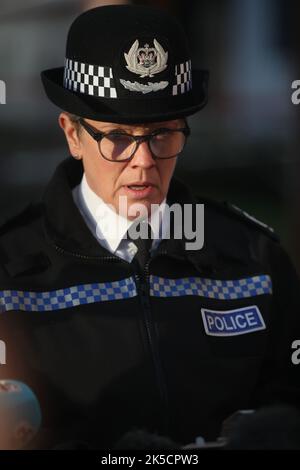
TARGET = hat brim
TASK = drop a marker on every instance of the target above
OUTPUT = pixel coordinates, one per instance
(126, 110)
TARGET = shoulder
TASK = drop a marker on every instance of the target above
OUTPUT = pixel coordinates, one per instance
(220, 214)
(21, 239)
(21, 220)
(223, 219)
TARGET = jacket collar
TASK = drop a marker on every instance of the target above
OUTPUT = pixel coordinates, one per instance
(63, 221)
(67, 229)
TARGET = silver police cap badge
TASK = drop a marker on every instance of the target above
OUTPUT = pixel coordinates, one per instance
(146, 61)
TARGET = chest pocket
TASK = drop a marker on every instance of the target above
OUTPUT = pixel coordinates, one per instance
(228, 318)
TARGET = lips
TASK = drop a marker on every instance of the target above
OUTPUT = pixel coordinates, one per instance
(140, 184)
(139, 189)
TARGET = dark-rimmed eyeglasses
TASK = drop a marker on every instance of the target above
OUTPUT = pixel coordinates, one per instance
(118, 146)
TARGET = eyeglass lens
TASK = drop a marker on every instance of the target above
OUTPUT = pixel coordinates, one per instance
(163, 145)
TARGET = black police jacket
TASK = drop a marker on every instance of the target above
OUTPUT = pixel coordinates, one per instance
(174, 350)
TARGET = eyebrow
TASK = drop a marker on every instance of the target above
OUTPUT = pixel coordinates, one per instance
(117, 128)
(129, 130)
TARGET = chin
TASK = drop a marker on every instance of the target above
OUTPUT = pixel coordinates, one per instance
(136, 203)
(141, 207)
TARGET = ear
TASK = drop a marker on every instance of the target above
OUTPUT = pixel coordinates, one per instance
(71, 133)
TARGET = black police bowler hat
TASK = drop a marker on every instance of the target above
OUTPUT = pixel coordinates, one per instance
(127, 64)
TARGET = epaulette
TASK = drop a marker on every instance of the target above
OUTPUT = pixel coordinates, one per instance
(252, 220)
(242, 215)
(27, 214)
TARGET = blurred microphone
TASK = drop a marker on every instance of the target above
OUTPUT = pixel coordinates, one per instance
(20, 415)
(269, 428)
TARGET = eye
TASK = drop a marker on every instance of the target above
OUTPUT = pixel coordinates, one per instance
(118, 142)
(118, 138)
(163, 135)
(117, 145)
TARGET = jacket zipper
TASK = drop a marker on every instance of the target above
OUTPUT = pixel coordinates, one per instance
(142, 283)
(80, 256)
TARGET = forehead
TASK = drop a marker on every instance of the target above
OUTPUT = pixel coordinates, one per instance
(130, 128)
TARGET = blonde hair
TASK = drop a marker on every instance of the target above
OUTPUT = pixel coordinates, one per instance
(75, 120)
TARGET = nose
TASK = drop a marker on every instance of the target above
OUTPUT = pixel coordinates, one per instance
(143, 157)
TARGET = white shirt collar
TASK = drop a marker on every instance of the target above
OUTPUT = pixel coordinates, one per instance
(108, 226)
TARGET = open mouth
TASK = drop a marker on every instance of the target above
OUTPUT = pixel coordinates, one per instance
(136, 187)
(140, 190)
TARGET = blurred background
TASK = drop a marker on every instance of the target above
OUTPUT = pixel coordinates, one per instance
(244, 144)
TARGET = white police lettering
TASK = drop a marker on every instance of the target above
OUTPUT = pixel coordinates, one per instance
(296, 354)
(232, 322)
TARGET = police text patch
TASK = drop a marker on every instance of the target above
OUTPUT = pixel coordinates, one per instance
(232, 322)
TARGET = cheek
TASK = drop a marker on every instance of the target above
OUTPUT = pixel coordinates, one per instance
(91, 157)
(166, 171)
(103, 174)
(90, 151)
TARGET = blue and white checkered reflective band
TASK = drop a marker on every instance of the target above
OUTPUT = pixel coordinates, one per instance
(211, 288)
(67, 297)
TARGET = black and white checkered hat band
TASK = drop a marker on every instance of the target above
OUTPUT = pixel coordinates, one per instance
(183, 75)
(94, 80)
